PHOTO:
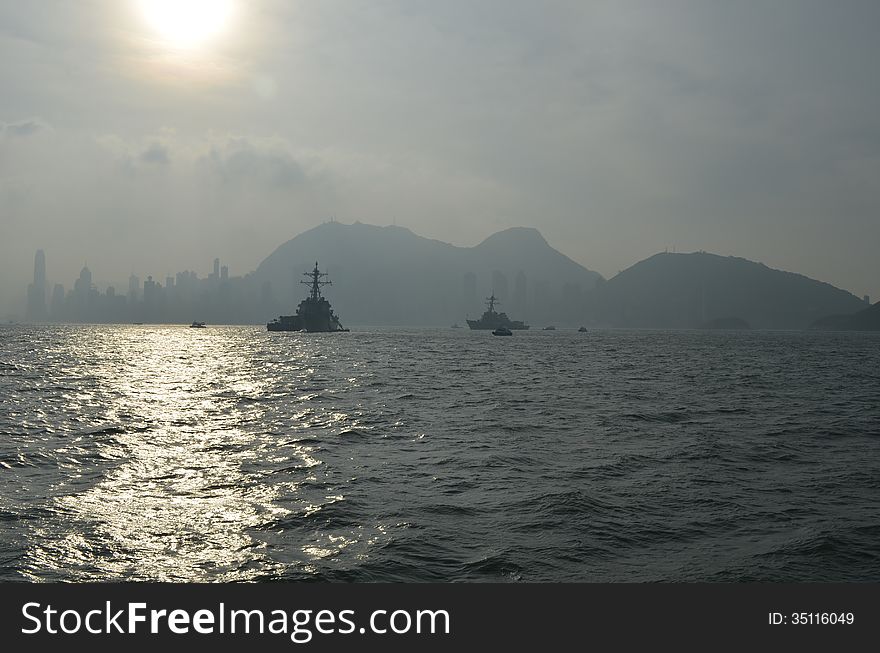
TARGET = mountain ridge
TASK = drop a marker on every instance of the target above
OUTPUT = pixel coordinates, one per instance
(390, 275)
(687, 290)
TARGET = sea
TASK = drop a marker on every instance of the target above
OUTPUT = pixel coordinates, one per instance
(166, 453)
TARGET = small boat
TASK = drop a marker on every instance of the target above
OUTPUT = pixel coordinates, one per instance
(502, 331)
(550, 328)
(197, 325)
(583, 329)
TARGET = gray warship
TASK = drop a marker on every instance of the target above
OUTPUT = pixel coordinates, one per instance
(493, 320)
(313, 314)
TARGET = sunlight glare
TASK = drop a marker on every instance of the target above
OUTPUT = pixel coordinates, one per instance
(187, 23)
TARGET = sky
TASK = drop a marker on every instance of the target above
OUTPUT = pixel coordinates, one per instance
(150, 136)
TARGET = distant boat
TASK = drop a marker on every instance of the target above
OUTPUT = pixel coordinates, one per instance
(197, 325)
(455, 326)
(583, 329)
(550, 328)
(502, 331)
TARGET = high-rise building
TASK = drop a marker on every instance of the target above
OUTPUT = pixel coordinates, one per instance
(83, 285)
(224, 273)
(57, 301)
(134, 288)
(868, 300)
(518, 306)
(499, 286)
(151, 292)
(37, 290)
(216, 268)
(82, 295)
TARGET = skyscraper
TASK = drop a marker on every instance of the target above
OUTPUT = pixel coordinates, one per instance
(37, 290)
(519, 294)
(499, 286)
(57, 301)
(82, 287)
(134, 288)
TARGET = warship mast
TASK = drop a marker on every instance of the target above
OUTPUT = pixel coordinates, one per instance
(491, 301)
(316, 282)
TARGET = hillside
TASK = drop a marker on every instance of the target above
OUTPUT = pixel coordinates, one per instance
(692, 290)
(865, 320)
(391, 276)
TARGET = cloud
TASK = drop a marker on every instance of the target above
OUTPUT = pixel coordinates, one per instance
(242, 161)
(156, 154)
(23, 128)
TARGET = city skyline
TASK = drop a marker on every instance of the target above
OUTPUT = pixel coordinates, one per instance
(449, 284)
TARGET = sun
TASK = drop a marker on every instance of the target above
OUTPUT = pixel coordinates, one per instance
(187, 23)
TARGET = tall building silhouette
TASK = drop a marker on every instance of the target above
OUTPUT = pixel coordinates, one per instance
(57, 301)
(134, 288)
(518, 306)
(82, 294)
(499, 286)
(37, 290)
(83, 286)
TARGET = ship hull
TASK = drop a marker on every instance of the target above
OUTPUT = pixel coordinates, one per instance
(485, 325)
(311, 316)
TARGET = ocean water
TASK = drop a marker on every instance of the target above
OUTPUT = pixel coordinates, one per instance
(233, 454)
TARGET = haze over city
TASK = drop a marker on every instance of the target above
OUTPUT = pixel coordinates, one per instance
(137, 143)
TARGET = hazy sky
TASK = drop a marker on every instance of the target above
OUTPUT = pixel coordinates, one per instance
(132, 141)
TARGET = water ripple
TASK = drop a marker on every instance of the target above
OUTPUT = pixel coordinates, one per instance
(165, 453)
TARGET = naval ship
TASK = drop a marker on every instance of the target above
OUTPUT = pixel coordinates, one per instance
(313, 314)
(493, 320)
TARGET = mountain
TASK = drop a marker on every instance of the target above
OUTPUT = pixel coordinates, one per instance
(391, 276)
(865, 320)
(699, 289)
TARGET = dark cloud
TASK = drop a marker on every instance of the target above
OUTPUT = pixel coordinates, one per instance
(243, 161)
(24, 127)
(156, 154)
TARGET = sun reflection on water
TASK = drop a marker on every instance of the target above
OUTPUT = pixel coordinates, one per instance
(166, 453)
(189, 490)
